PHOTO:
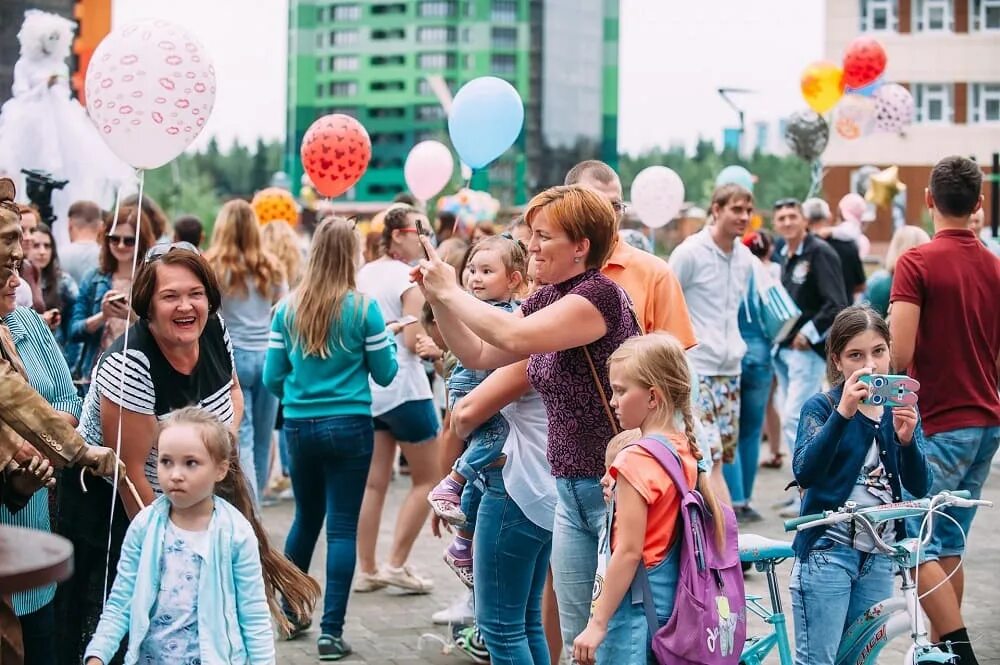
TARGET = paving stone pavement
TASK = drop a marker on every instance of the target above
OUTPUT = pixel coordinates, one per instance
(385, 628)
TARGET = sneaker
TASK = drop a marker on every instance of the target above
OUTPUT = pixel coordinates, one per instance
(462, 567)
(470, 642)
(405, 578)
(461, 611)
(286, 495)
(747, 515)
(279, 485)
(793, 509)
(332, 648)
(447, 503)
(366, 582)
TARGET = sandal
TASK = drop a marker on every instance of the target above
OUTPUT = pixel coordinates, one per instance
(446, 503)
(776, 462)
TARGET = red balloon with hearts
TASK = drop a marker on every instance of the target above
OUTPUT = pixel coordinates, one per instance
(335, 153)
(864, 61)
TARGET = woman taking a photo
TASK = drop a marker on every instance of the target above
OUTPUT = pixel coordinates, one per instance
(326, 340)
(252, 281)
(404, 411)
(102, 312)
(572, 234)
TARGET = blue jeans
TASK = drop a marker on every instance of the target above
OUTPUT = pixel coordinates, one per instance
(629, 641)
(329, 460)
(259, 410)
(831, 587)
(511, 562)
(580, 512)
(755, 388)
(800, 376)
(959, 460)
(485, 445)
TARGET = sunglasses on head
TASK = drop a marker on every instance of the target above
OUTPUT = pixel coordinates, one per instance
(128, 241)
(785, 203)
(160, 250)
(620, 207)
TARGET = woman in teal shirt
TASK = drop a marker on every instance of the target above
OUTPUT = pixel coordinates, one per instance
(880, 283)
(47, 373)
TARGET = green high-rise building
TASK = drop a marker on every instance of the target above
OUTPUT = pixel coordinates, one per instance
(383, 62)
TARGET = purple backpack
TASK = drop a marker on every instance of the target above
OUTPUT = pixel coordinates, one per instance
(708, 624)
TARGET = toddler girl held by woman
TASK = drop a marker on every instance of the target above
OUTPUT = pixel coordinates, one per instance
(196, 576)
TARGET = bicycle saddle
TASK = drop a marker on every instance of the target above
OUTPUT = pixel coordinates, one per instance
(760, 548)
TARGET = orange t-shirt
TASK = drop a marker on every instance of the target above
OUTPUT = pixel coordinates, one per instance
(645, 474)
(654, 290)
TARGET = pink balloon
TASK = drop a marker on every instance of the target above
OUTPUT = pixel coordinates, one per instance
(155, 64)
(429, 167)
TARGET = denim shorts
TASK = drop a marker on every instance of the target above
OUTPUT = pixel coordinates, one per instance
(959, 460)
(410, 422)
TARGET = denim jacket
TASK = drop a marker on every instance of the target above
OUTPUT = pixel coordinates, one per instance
(830, 451)
(88, 303)
(234, 624)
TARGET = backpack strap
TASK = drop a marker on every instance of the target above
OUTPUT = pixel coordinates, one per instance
(642, 592)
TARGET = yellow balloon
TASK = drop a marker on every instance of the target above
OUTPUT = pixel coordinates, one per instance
(822, 86)
(275, 203)
(884, 186)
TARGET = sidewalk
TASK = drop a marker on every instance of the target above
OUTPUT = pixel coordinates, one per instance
(384, 628)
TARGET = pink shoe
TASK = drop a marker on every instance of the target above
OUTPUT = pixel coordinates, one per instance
(446, 502)
(461, 565)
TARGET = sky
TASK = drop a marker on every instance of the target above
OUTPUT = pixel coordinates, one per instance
(674, 55)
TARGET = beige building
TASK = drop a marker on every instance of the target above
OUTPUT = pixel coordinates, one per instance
(947, 52)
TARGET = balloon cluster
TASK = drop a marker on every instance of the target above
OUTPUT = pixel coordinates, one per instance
(469, 207)
(856, 94)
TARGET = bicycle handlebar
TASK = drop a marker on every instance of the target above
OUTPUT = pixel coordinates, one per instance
(958, 498)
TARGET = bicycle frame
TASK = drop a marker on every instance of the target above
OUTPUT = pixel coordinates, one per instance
(756, 650)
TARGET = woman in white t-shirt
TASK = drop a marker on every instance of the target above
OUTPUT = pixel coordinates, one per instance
(403, 412)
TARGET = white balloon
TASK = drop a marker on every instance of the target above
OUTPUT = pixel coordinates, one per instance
(150, 90)
(657, 195)
(428, 169)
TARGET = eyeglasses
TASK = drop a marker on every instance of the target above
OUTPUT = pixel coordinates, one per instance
(162, 249)
(127, 241)
(785, 203)
(620, 207)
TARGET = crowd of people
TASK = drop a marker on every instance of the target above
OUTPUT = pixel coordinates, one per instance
(185, 369)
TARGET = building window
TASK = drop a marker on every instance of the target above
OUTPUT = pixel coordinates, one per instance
(387, 112)
(390, 60)
(504, 38)
(320, 89)
(933, 101)
(436, 60)
(430, 112)
(387, 138)
(344, 63)
(394, 33)
(394, 8)
(387, 86)
(985, 14)
(470, 8)
(984, 102)
(343, 37)
(934, 16)
(504, 11)
(436, 35)
(503, 63)
(343, 110)
(470, 61)
(424, 86)
(320, 14)
(320, 65)
(879, 15)
(436, 8)
(346, 12)
(320, 40)
(343, 88)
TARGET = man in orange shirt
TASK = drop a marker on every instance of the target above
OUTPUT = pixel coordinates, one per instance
(647, 279)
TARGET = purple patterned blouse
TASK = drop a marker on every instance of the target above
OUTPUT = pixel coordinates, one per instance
(579, 430)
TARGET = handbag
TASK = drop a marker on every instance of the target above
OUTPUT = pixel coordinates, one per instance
(778, 312)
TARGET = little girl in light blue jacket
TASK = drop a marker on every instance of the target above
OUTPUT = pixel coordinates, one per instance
(191, 586)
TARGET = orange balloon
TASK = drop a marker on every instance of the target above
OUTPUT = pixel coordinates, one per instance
(822, 85)
(275, 203)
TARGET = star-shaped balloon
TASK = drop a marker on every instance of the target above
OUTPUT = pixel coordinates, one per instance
(884, 186)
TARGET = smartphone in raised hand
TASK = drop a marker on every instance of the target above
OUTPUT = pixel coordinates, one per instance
(423, 232)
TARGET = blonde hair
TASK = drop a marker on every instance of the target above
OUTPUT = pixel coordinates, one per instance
(236, 253)
(281, 576)
(620, 442)
(316, 304)
(279, 238)
(581, 213)
(905, 238)
(657, 362)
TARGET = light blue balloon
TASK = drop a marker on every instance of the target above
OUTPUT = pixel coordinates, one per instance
(735, 175)
(485, 119)
(865, 90)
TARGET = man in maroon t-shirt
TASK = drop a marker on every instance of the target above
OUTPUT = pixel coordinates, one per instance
(946, 332)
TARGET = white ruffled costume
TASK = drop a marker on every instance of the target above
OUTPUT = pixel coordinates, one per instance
(42, 128)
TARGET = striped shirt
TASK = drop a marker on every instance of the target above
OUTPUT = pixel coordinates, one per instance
(141, 379)
(49, 375)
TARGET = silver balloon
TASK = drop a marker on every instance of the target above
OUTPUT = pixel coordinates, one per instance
(864, 175)
(807, 134)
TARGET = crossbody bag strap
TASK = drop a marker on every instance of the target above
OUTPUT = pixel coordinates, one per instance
(600, 391)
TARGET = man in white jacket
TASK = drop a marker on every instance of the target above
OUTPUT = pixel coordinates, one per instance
(714, 268)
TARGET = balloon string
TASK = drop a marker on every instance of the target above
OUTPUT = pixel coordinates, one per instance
(816, 178)
(140, 174)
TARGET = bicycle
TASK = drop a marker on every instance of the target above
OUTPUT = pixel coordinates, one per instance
(881, 623)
